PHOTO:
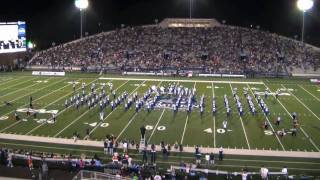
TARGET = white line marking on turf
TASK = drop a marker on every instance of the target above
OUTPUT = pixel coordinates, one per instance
(133, 118)
(244, 130)
(74, 121)
(183, 80)
(17, 122)
(40, 125)
(155, 127)
(214, 120)
(116, 107)
(184, 129)
(28, 93)
(12, 92)
(7, 81)
(9, 87)
(91, 109)
(311, 141)
(185, 125)
(19, 88)
(126, 126)
(40, 97)
(301, 102)
(268, 120)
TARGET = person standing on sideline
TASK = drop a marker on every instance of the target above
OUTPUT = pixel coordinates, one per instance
(220, 154)
(143, 131)
(211, 158)
(153, 154)
(278, 121)
(144, 155)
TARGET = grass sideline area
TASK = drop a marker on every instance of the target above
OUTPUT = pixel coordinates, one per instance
(191, 129)
(234, 163)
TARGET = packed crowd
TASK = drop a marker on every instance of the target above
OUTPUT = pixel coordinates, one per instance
(5, 68)
(215, 49)
(123, 164)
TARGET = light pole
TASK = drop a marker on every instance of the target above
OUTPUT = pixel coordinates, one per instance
(190, 8)
(304, 5)
(81, 5)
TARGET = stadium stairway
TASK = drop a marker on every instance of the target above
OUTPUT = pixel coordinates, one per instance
(142, 144)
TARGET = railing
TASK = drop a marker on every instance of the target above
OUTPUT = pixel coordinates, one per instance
(84, 174)
(207, 171)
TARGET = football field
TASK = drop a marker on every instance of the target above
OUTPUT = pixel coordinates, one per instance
(163, 124)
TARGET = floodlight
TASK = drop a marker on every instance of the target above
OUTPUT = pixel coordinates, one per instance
(81, 4)
(30, 45)
(304, 5)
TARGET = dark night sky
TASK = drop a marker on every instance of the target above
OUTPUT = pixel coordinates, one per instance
(59, 21)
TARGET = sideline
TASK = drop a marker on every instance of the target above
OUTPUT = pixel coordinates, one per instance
(90, 143)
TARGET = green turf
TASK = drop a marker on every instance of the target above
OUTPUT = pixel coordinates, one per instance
(189, 129)
(244, 132)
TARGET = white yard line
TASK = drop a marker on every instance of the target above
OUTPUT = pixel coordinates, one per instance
(301, 103)
(115, 108)
(183, 80)
(126, 126)
(155, 127)
(311, 141)
(72, 122)
(185, 125)
(39, 97)
(8, 87)
(131, 119)
(244, 130)
(213, 119)
(40, 125)
(17, 122)
(28, 93)
(275, 133)
(7, 81)
(75, 120)
(17, 89)
(309, 93)
(184, 129)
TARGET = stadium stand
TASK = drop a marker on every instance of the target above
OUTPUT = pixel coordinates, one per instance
(57, 166)
(208, 47)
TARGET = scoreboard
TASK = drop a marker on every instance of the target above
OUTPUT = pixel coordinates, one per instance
(12, 37)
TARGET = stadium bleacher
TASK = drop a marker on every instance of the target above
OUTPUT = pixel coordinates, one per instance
(210, 49)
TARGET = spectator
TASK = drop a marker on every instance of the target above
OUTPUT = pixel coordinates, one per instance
(9, 159)
(285, 171)
(264, 173)
(144, 155)
(44, 169)
(153, 154)
(155, 48)
(220, 154)
(211, 158)
(125, 146)
(30, 164)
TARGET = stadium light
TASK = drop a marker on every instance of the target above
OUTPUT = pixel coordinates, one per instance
(81, 4)
(304, 6)
(31, 45)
